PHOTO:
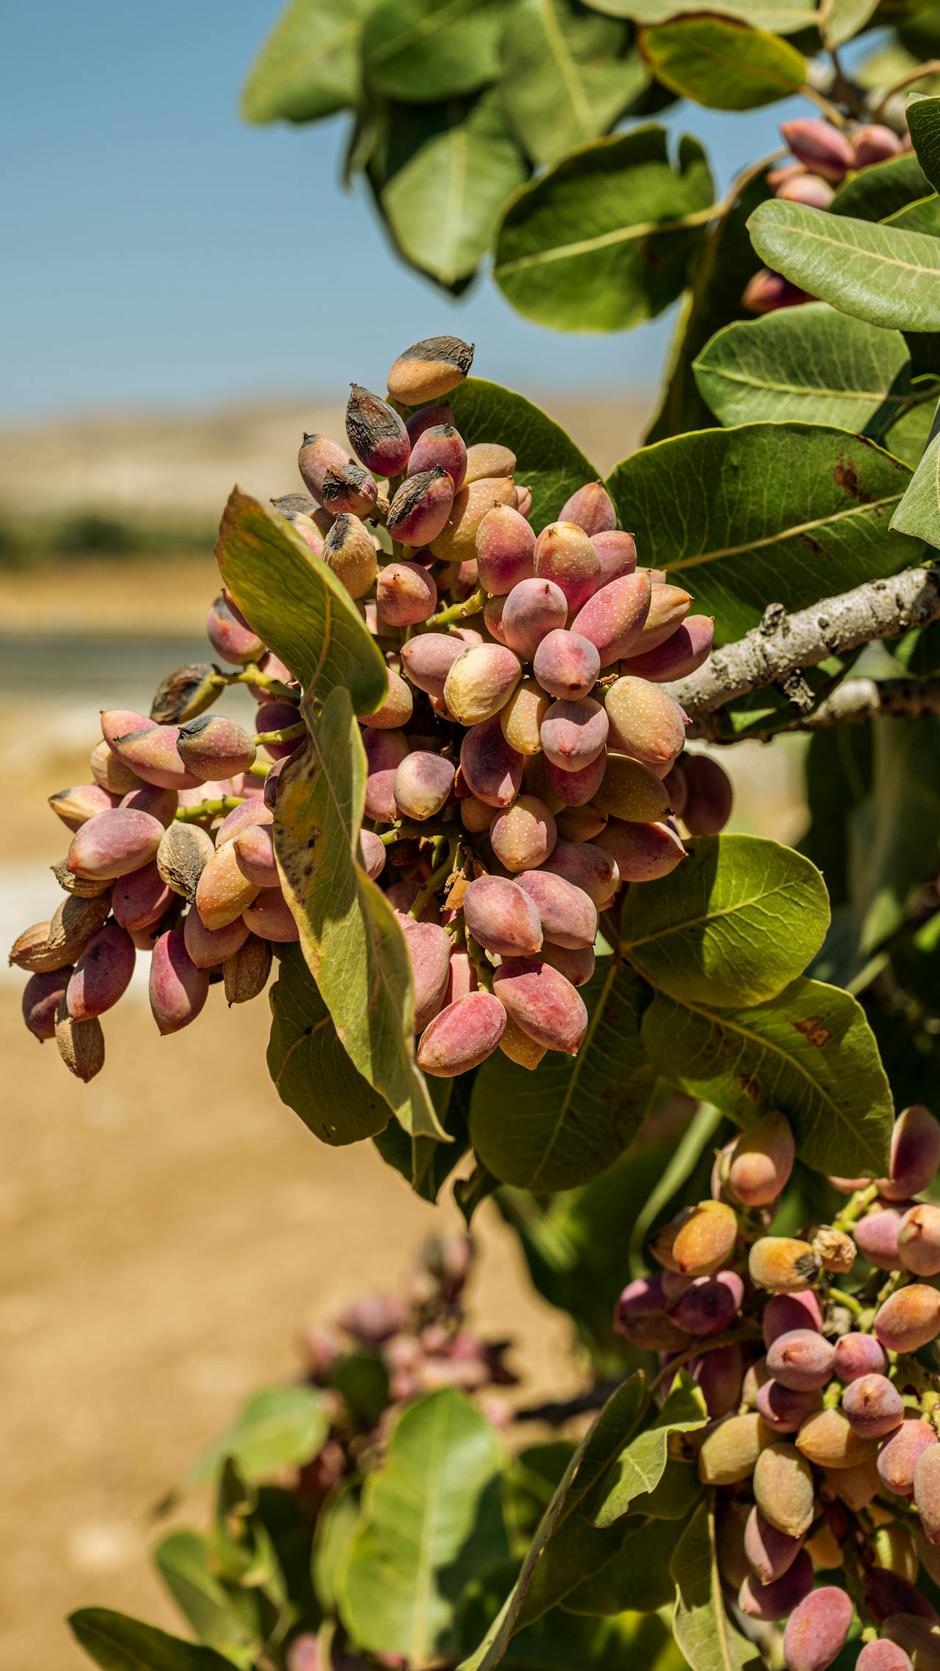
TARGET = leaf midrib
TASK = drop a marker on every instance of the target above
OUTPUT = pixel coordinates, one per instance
(626, 946)
(801, 389)
(766, 540)
(607, 240)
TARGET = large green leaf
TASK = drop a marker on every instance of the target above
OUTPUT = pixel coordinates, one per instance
(282, 1427)
(918, 514)
(735, 924)
(432, 49)
(923, 215)
(224, 1616)
(431, 1520)
(547, 460)
(909, 435)
(642, 1463)
(718, 273)
(923, 120)
(721, 62)
(895, 833)
(809, 1053)
(703, 1629)
(308, 617)
(877, 192)
(442, 173)
(559, 1641)
(784, 16)
(350, 939)
(309, 65)
(567, 75)
(785, 512)
(879, 273)
(311, 1071)
(613, 1428)
(118, 1643)
(811, 363)
(573, 1116)
(602, 240)
(634, 1577)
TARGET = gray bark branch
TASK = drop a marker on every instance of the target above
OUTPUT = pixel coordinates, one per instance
(776, 651)
(861, 699)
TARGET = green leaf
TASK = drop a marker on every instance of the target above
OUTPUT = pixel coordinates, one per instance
(308, 618)
(420, 50)
(309, 66)
(616, 1424)
(224, 1617)
(809, 363)
(569, 1119)
(918, 514)
(602, 240)
(567, 75)
(877, 192)
(923, 215)
(642, 1463)
(878, 273)
(312, 1072)
(431, 1519)
(718, 274)
(809, 1053)
(547, 460)
(721, 62)
(895, 833)
(442, 174)
(118, 1643)
(560, 1641)
(923, 120)
(839, 20)
(703, 1630)
(282, 1427)
(336, 1527)
(787, 512)
(348, 933)
(784, 16)
(908, 437)
(738, 921)
(635, 1578)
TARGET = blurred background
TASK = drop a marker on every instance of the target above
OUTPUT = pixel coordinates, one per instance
(182, 296)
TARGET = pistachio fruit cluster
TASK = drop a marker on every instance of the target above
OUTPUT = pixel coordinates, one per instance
(812, 1354)
(526, 762)
(823, 156)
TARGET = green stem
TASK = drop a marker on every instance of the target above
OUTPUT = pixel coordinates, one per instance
(434, 881)
(483, 968)
(252, 675)
(286, 734)
(457, 611)
(855, 1208)
(208, 809)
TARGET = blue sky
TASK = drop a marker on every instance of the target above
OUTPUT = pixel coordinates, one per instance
(159, 252)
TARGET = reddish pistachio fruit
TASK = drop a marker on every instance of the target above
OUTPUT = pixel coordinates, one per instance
(564, 554)
(898, 1457)
(489, 460)
(642, 1319)
(777, 1599)
(376, 433)
(575, 963)
(160, 803)
(817, 1629)
(385, 750)
(462, 1036)
(102, 973)
(645, 722)
(709, 1304)
(915, 1154)
(785, 1410)
(574, 733)
(808, 189)
(209, 948)
(909, 1319)
(873, 1405)
(631, 792)
(761, 1161)
(532, 609)
(883, 1656)
(919, 1239)
(229, 633)
(828, 1440)
(405, 594)
(819, 146)
(927, 1492)
(421, 506)
(151, 752)
(223, 892)
(373, 853)
(643, 852)
(592, 508)
(440, 447)
(490, 768)
(395, 711)
(616, 554)
(614, 617)
(505, 544)
(857, 1355)
(456, 542)
(731, 1449)
(428, 659)
(875, 143)
(76, 806)
(317, 455)
(766, 292)
(501, 916)
(178, 990)
(770, 1553)
(521, 717)
(576, 789)
(422, 785)
(429, 955)
(480, 683)
(114, 843)
(43, 994)
(567, 914)
(709, 795)
(542, 1002)
(254, 853)
(876, 1237)
(212, 747)
(686, 649)
(270, 917)
(523, 835)
(566, 665)
(801, 1360)
(588, 867)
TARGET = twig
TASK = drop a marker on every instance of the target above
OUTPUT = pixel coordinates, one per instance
(783, 643)
(555, 1412)
(932, 67)
(861, 699)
